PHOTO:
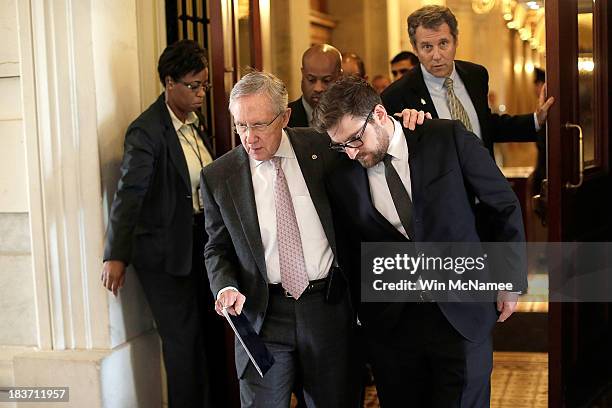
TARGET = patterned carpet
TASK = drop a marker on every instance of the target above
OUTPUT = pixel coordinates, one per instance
(520, 380)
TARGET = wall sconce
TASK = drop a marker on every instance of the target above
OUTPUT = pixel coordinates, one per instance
(482, 6)
(585, 64)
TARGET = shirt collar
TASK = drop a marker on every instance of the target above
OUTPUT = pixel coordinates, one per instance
(308, 109)
(397, 145)
(435, 82)
(284, 150)
(192, 119)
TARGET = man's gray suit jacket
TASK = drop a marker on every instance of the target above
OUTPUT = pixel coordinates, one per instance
(234, 252)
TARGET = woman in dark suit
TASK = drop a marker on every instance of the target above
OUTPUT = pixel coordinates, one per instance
(157, 224)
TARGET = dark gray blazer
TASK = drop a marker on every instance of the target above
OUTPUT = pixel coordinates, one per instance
(234, 252)
(298, 114)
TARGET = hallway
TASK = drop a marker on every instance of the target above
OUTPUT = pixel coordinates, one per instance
(520, 380)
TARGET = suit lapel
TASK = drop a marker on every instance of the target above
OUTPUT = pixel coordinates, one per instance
(310, 160)
(418, 89)
(174, 147)
(415, 162)
(240, 186)
(302, 116)
(358, 176)
(472, 87)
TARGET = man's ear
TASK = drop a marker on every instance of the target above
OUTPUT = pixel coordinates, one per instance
(380, 114)
(286, 117)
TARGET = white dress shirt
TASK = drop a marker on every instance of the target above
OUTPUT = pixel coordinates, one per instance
(379, 189)
(191, 143)
(318, 255)
(437, 91)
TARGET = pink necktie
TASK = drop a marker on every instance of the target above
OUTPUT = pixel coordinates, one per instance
(290, 253)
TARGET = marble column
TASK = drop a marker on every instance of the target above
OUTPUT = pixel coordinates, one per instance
(85, 70)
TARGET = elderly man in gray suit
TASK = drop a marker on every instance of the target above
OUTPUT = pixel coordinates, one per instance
(271, 248)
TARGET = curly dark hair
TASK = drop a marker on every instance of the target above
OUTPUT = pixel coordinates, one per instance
(181, 58)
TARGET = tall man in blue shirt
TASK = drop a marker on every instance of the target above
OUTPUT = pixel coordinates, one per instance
(453, 89)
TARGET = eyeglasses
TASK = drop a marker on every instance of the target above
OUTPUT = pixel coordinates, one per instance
(397, 72)
(354, 142)
(257, 128)
(195, 86)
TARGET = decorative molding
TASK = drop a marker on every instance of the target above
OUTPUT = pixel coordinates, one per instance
(321, 27)
(59, 105)
(37, 231)
(322, 19)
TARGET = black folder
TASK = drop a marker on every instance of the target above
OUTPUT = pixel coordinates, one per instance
(255, 348)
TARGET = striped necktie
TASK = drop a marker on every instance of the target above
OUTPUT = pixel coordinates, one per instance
(457, 110)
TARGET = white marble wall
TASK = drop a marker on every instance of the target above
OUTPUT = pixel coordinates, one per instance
(17, 319)
(73, 75)
(127, 377)
(13, 196)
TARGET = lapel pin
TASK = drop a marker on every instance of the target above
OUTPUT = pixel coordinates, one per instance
(423, 102)
(314, 157)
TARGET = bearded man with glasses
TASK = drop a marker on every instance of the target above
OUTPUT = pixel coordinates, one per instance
(418, 186)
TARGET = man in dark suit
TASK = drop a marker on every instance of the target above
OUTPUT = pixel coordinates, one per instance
(321, 66)
(403, 62)
(271, 250)
(156, 224)
(451, 89)
(417, 186)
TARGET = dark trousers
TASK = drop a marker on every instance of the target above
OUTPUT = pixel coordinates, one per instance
(192, 335)
(309, 338)
(425, 362)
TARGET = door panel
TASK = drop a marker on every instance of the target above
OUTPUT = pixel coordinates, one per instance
(579, 187)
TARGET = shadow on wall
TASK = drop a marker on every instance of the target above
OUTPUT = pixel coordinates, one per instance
(129, 315)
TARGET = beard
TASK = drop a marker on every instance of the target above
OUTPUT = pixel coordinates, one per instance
(372, 158)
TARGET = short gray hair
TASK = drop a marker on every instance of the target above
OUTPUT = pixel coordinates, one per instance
(257, 82)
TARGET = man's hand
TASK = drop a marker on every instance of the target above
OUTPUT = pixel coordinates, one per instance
(543, 106)
(412, 117)
(232, 300)
(113, 275)
(506, 304)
